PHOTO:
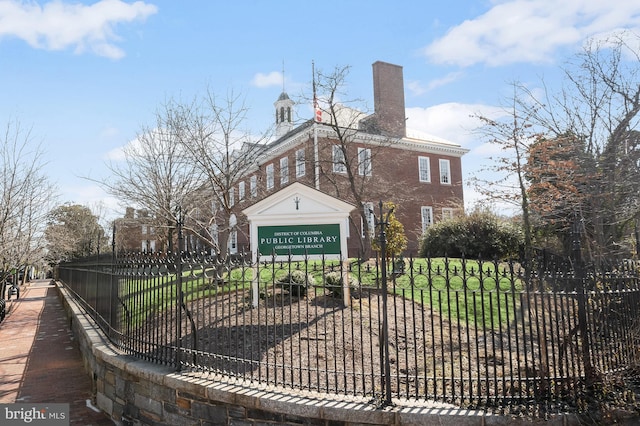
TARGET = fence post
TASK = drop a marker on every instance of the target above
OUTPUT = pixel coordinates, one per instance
(582, 295)
(179, 295)
(255, 282)
(114, 288)
(384, 333)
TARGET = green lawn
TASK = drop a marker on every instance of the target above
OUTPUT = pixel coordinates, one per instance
(486, 295)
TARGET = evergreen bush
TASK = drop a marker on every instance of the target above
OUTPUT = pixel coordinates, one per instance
(479, 235)
(296, 283)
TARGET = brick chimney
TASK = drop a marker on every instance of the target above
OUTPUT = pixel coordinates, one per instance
(388, 94)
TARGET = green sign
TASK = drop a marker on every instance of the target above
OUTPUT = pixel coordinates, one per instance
(299, 239)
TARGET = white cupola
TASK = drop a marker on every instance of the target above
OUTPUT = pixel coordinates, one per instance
(284, 114)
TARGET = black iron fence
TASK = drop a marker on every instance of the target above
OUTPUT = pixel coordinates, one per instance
(470, 332)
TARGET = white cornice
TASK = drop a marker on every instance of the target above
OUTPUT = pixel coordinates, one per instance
(325, 131)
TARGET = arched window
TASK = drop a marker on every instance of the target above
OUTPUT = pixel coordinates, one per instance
(281, 114)
(289, 114)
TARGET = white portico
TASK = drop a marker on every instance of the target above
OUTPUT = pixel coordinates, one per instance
(301, 222)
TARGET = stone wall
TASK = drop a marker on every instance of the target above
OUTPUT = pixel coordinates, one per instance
(135, 392)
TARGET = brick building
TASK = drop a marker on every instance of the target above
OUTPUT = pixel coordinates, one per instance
(136, 231)
(421, 175)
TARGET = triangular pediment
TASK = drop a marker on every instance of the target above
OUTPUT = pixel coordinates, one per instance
(298, 200)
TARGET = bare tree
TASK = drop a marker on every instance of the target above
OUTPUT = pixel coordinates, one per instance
(212, 133)
(347, 163)
(592, 185)
(157, 175)
(27, 195)
(599, 107)
(506, 181)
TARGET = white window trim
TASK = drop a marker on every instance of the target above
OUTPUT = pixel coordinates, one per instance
(284, 170)
(232, 197)
(339, 165)
(213, 231)
(233, 242)
(364, 162)
(445, 172)
(447, 213)
(270, 176)
(368, 206)
(426, 219)
(241, 191)
(253, 186)
(300, 163)
(422, 171)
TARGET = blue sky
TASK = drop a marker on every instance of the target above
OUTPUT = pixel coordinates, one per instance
(86, 76)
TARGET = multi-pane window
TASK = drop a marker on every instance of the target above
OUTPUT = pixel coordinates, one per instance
(300, 164)
(371, 219)
(232, 197)
(148, 245)
(241, 191)
(447, 213)
(233, 242)
(253, 186)
(284, 170)
(424, 169)
(445, 172)
(427, 217)
(270, 176)
(364, 162)
(213, 231)
(339, 164)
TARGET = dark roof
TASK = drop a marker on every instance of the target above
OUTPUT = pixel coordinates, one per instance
(290, 133)
(283, 96)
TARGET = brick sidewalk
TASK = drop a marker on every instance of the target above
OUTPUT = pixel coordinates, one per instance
(40, 361)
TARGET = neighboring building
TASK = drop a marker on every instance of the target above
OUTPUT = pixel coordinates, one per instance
(137, 231)
(421, 175)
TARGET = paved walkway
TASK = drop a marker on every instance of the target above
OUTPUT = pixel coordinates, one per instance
(40, 361)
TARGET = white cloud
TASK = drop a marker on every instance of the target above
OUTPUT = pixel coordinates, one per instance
(452, 121)
(274, 78)
(530, 30)
(93, 196)
(109, 132)
(417, 88)
(116, 154)
(457, 123)
(58, 25)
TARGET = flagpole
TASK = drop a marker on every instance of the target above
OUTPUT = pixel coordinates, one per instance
(315, 129)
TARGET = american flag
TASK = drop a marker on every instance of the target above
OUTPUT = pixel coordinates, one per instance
(316, 109)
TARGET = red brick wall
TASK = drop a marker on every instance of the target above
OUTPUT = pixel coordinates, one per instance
(394, 178)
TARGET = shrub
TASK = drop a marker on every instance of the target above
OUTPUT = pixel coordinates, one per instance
(396, 239)
(333, 282)
(478, 235)
(296, 283)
